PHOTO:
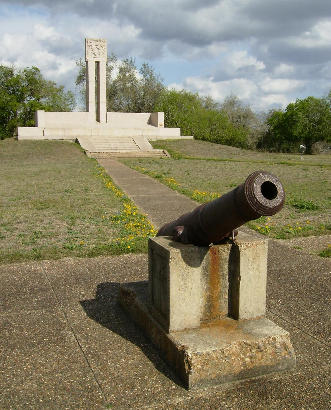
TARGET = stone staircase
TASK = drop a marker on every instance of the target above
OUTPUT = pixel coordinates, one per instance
(124, 146)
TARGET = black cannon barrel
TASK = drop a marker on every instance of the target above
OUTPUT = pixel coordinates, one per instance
(261, 194)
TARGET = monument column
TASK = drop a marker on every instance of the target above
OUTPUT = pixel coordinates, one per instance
(101, 92)
(96, 58)
(90, 86)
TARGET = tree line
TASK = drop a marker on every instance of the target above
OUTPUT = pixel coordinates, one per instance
(132, 89)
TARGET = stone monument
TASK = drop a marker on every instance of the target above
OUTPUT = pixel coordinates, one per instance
(96, 58)
(99, 132)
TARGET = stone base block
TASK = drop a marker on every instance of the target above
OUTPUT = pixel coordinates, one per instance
(224, 351)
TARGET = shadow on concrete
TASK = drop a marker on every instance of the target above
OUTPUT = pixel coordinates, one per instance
(186, 252)
(105, 310)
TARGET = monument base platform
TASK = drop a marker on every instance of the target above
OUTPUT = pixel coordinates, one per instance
(223, 351)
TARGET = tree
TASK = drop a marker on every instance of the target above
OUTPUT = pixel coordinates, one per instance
(306, 121)
(238, 113)
(275, 137)
(328, 98)
(242, 116)
(22, 92)
(150, 88)
(128, 89)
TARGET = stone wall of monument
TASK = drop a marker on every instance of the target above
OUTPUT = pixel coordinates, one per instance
(63, 119)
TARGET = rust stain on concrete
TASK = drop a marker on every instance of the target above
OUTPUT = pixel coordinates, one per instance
(214, 283)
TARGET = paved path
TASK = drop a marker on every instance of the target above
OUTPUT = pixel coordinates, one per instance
(160, 203)
(65, 343)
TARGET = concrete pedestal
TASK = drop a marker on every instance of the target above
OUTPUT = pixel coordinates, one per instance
(204, 309)
(223, 351)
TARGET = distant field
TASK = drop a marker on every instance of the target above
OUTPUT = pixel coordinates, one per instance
(220, 168)
(56, 202)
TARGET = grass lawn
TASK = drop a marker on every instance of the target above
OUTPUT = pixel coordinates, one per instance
(56, 202)
(204, 171)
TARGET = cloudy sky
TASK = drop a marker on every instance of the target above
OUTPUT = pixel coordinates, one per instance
(267, 52)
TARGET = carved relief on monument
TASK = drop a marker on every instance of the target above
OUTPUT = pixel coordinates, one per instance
(95, 49)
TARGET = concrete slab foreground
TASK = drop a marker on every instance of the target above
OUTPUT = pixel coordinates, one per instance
(96, 357)
(80, 350)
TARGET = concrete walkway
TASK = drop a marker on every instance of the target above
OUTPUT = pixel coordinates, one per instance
(160, 203)
(65, 343)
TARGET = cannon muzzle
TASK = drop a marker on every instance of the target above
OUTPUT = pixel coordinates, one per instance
(261, 194)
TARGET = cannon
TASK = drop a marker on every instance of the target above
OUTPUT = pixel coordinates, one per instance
(262, 194)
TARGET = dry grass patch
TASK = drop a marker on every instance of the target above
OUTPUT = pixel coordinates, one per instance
(56, 202)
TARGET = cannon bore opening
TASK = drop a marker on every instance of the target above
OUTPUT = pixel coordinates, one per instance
(269, 190)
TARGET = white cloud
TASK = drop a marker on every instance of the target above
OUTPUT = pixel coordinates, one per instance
(240, 59)
(271, 100)
(282, 69)
(46, 33)
(243, 88)
(260, 95)
(235, 64)
(279, 85)
(27, 50)
(318, 36)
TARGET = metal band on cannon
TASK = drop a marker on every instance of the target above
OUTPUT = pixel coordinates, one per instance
(262, 194)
